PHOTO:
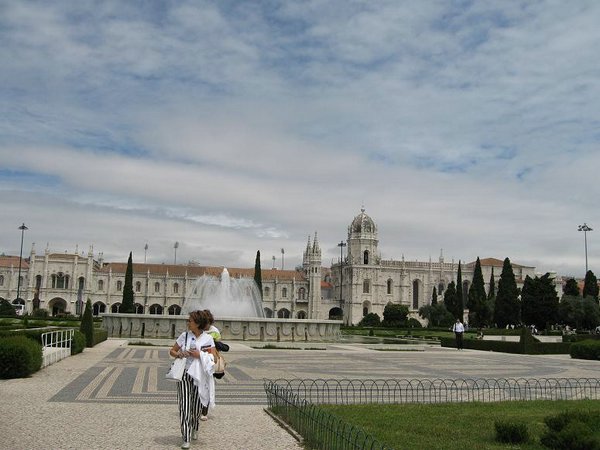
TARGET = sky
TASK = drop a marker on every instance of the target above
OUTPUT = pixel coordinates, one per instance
(464, 128)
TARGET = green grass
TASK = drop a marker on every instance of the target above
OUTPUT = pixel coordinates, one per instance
(456, 426)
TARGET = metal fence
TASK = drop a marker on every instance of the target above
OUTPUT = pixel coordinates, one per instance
(56, 345)
(296, 401)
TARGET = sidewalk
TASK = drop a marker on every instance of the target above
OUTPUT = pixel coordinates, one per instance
(31, 421)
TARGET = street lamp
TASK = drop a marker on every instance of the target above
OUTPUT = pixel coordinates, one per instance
(145, 251)
(273, 261)
(22, 228)
(282, 257)
(585, 228)
(175, 247)
(341, 245)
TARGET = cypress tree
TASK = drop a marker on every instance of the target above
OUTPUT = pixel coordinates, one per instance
(590, 285)
(258, 273)
(434, 296)
(127, 303)
(460, 305)
(450, 299)
(492, 291)
(507, 308)
(87, 324)
(571, 288)
(477, 298)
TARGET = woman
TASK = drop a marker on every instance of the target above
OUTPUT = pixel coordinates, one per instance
(213, 331)
(189, 345)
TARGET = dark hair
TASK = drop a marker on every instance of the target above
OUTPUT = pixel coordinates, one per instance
(200, 318)
(211, 318)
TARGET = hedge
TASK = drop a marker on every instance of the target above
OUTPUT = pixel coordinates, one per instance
(589, 349)
(537, 348)
(19, 357)
(78, 343)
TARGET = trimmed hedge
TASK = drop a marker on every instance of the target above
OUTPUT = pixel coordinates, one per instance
(537, 348)
(100, 335)
(19, 357)
(589, 349)
(78, 343)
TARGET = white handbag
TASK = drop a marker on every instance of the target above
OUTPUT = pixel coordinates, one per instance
(175, 373)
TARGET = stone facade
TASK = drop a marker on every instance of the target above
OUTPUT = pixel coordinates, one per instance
(362, 282)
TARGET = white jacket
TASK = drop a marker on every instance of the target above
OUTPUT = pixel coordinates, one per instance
(201, 371)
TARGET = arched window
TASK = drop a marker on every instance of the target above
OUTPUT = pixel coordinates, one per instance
(284, 292)
(416, 294)
(267, 291)
(156, 309)
(157, 287)
(60, 281)
(365, 311)
(81, 283)
(98, 308)
(301, 315)
(175, 288)
(115, 307)
(138, 286)
(366, 287)
(38, 281)
(174, 310)
(389, 286)
(100, 285)
(139, 309)
(301, 294)
(119, 285)
(366, 257)
(440, 288)
(1, 280)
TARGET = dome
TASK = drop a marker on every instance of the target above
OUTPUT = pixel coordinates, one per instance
(362, 223)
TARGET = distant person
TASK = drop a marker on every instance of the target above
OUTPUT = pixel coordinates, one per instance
(189, 345)
(459, 330)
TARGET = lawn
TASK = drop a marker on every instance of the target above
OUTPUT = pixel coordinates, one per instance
(456, 426)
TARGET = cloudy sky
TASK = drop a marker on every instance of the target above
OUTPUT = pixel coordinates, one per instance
(237, 126)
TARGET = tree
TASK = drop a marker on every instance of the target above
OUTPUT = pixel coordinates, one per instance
(87, 324)
(492, 291)
(450, 299)
(370, 320)
(476, 301)
(539, 301)
(437, 315)
(460, 305)
(507, 308)
(394, 315)
(579, 312)
(6, 309)
(258, 273)
(434, 296)
(571, 288)
(590, 285)
(127, 303)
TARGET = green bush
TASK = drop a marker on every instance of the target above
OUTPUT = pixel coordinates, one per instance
(370, 320)
(40, 313)
(6, 309)
(413, 323)
(19, 357)
(589, 349)
(572, 430)
(100, 335)
(511, 432)
(78, 343)
(87, 324)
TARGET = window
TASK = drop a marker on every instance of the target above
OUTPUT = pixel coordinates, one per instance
(284, 292)
(366, 287)
(119, 285)
(389, 286)
(100, 285)
(1, 280)
(60, 281)
(416, 294)
(175, 288)
(81, 283)
(138, 286)
(440, 289)
(267, 291)
(157, 287)
(301, 293)
(366, 257)
(38, 281)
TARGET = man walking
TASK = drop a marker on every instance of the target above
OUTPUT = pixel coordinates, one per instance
(458, 329)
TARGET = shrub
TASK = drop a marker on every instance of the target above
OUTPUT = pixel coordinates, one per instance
(511, 432)
(40, 313)
(6, 309)
(78, 343)
(588, 349)
(100, 335)
(19, 357)
(572, 430)
(413, 323)
(370, 320)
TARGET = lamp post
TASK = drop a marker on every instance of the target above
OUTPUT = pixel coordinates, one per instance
(341, 245)
(273, 261)
(282, 257)
(145, 251)
(175, 247)
(22, 228)
(585, 228)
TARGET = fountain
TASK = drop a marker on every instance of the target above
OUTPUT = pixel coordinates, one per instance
(237, 307)
(225, 297)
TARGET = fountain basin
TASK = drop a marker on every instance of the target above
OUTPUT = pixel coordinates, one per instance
(152, 326)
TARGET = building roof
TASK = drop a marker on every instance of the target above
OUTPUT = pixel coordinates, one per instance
(13, 261)
(487, 262)
(197, 271)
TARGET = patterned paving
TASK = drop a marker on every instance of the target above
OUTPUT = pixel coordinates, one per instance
(137, 375)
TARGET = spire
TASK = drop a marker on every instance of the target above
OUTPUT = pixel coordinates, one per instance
(316, 244)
